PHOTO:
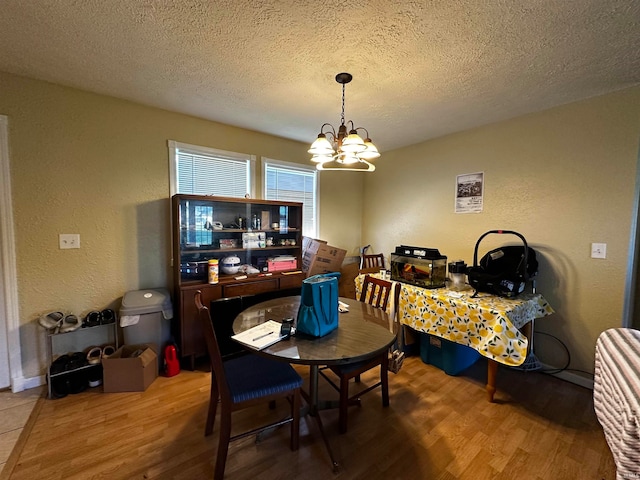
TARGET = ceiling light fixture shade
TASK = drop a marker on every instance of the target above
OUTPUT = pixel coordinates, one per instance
(321, 146)
(342, 151)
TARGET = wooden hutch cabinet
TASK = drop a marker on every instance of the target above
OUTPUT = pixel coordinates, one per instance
(255, 232)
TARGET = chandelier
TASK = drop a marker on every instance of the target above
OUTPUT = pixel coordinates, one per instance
(342, 150)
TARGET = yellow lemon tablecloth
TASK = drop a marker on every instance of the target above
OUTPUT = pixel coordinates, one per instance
(486, 323)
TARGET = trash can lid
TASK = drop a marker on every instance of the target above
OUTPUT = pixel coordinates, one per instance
(139, 302)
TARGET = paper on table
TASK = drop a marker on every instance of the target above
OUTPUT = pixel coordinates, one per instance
(260, 336)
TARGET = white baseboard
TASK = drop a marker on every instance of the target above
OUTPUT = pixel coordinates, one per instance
(22, 383)
(570, 377)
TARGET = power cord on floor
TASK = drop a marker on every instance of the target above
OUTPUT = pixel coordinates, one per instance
(565, 368)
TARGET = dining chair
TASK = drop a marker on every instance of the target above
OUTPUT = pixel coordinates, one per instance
(243, 382)
(376, 292)
(372, 262)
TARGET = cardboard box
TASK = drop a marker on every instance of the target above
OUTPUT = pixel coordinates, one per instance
(320, 257)
(124, 373)
(308, 242)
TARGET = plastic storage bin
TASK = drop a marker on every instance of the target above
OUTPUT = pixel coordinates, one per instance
(449, 356)
(145, 317)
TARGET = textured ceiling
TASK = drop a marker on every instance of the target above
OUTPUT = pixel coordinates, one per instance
(421, 68)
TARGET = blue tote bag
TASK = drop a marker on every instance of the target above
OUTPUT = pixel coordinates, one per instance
(318, 312)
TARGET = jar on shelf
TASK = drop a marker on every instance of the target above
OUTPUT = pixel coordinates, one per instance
(213, 271)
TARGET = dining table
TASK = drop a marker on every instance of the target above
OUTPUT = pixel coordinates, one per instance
(498, 328)
(363, 332)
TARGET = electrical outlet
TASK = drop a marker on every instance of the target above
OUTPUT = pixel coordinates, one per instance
(69, 240)
(598, 250)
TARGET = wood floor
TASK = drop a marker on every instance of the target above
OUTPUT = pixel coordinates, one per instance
(437, 427)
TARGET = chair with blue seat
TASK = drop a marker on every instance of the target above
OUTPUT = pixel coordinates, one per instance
(378, 293)
(243, 382)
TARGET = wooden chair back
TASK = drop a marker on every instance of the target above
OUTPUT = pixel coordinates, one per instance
(376, 292)
(213, 348)
(372, 261)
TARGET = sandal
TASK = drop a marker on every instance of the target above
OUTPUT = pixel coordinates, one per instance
(51, 320)
(108, 351)
(94, 356)
(107, 316)
(70, 323)
(92, 319)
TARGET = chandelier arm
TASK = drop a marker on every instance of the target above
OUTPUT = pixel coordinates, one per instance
(361, 128)
(333, 131)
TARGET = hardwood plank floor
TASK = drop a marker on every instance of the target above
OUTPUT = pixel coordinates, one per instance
(437, 427)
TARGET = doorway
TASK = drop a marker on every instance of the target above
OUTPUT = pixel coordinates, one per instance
(10, 354)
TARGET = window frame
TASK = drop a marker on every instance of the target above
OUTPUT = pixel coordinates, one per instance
(207, 151)
(265, 161)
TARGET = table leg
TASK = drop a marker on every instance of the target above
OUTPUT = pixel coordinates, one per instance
(492, 371)
(313, 411)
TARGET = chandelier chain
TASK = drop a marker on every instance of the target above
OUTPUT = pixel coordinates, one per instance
(342, 116)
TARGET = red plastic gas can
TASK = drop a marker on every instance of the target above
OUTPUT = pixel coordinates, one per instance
(171, 363)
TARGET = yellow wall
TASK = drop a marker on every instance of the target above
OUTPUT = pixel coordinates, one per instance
(98, 166)
(563, 178)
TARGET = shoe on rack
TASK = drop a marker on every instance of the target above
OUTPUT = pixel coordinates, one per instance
(59, 387)
(60, 364)
(77, 379)
(77, 360)
(52, 320)
(94, 377)
(108, 351)
(94, 356)
(59, 383)
(107, 316)
(92, 319)
(69, 324)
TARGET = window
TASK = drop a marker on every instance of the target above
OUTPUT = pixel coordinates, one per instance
(207, 171)
(291, 182)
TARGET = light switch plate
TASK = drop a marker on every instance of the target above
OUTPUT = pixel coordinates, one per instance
(598, 250)
(69, 240)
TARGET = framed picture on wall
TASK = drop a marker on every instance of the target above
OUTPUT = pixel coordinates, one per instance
(469, 193)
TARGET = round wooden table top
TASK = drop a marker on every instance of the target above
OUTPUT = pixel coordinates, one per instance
(363, 332)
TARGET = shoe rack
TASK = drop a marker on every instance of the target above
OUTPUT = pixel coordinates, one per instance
(78, 340)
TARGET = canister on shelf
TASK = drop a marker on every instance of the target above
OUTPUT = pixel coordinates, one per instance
(213, 270)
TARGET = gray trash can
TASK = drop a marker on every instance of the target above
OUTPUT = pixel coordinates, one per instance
(145, 317)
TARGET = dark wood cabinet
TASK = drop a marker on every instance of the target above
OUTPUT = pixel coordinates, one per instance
(208, 227)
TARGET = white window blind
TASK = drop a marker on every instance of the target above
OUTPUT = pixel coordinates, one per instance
(292, 183)
(205, 171)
